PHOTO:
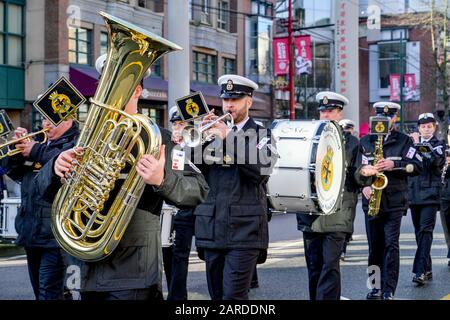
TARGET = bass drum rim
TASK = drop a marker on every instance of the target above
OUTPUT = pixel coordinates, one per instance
(342, 168)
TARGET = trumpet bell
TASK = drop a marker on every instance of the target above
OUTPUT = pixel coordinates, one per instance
(191, 136)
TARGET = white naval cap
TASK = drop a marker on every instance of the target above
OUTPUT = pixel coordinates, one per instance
(174, 114)
(347, 124)
(100, 62)
(234, 86)
(386, 107)
(426, 118)
(331, 100)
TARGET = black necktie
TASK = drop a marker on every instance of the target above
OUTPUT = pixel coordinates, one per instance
(235, 128)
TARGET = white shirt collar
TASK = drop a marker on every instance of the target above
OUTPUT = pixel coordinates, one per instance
(425, 140)
(241, 124)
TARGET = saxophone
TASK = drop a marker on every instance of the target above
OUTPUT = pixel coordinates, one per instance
(88, 220)
(380, 182)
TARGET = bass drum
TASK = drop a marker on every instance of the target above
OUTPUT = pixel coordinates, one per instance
(166, 220)
(309, 176)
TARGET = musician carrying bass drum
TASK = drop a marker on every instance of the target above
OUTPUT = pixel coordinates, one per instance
(325, 206)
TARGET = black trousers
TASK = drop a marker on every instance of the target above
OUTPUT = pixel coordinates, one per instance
(424, 220)
(383, 235)
(322, 253)
(229, 272)
(151, 293)
(46, 269)
(445, 217)
(181, 249)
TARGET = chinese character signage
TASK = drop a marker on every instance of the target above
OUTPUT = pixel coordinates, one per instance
(410, 89)
(346, 40)
(303, 61)
(410, 92)
(281, 56)
(394, 80)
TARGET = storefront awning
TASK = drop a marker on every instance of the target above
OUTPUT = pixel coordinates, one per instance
(85, 79)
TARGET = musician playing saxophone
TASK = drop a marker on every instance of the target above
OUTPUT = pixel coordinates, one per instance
(133, 270)
(383, 229)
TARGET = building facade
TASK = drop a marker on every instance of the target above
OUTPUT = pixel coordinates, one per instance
(401, 46)
(42, 40)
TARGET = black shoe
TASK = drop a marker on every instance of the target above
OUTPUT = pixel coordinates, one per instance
(375, 294)
(420, 279)
(254, 285)
(388, 296)
(429, 275)
(448, 263)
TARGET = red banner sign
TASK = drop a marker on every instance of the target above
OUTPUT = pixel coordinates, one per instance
(303, 62)
(395, 87)
(409, 88)
(281, 56)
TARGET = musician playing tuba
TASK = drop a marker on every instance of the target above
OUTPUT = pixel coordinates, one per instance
(424, 194)
(383, 229)
(133, 270)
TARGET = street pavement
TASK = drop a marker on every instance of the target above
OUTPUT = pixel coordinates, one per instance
(284, 275)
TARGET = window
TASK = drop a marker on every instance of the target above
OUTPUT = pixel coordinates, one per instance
(153, 5)
(103, 42)
(204, 67)
(80, 50)
(156, 68)
(263, 7)
(258, 62)
(317, 12)
(157, 115)
(223, 21)
(36, 120)
(322, 65)
(389, 61)
(11, 34)
(82, 113)
(229, 66)
(204, 11)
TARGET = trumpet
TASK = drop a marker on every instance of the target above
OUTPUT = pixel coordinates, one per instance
(195, 135)
(11, 152)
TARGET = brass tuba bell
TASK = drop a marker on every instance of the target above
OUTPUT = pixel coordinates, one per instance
(86, 221)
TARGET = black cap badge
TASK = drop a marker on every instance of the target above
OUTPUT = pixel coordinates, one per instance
(230, 85)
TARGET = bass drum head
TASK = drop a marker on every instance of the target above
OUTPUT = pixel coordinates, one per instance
(330, 168)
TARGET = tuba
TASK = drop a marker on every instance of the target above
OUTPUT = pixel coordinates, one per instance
(87, 221)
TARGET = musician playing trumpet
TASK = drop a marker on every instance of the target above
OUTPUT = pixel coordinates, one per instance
(44, 259)
(424, 194)
(231, 225)
(383, 229)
